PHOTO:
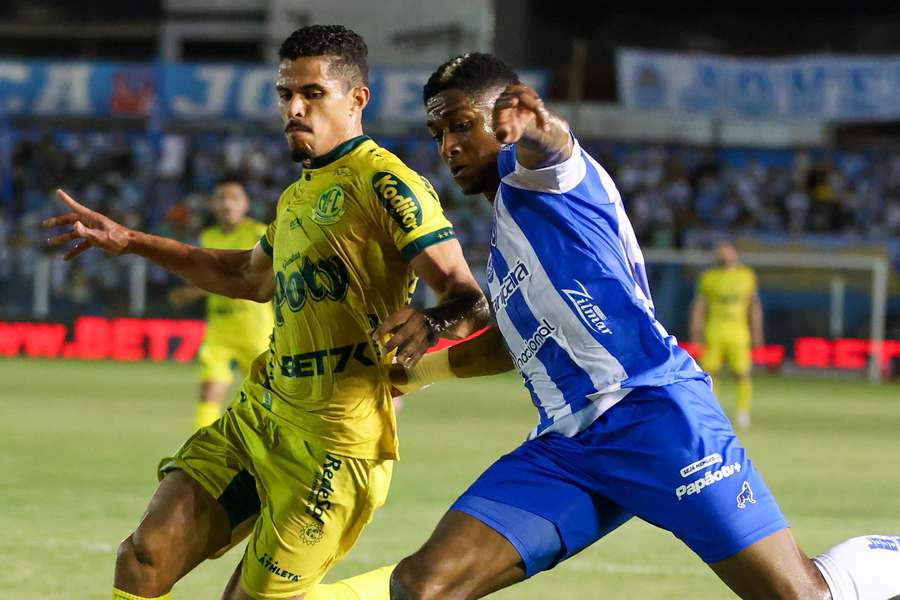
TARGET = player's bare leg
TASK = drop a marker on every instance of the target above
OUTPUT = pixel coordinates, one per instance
(743, 393)
(182, 526)
(861, 568)
(773, 568)
(234, 591)
(463, 558)
(211, 395)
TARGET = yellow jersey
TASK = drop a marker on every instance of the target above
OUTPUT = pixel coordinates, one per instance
(341, 243)
(728, 293)
(229, 318)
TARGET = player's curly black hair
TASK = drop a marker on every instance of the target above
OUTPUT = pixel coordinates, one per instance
(348, 49)
(471, 73)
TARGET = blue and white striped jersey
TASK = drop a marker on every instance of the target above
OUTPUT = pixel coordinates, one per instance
(570, 293)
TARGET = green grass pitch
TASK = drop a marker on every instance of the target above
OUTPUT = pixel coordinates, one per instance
(79, 443)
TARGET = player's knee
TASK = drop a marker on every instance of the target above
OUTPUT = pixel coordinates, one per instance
(141, 560)
(417, 578)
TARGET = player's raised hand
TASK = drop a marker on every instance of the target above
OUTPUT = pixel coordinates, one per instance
(88, 229)
(515, 109)
(411, 333)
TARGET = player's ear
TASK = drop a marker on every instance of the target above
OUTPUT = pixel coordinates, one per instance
(359, 98)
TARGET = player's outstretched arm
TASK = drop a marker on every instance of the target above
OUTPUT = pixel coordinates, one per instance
(235, 273)
(184, 295)
(482, 355)
(542, 137)
(461, 311)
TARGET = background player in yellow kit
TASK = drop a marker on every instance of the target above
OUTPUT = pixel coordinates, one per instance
(237, 331)
(304, 456)
(726, 320)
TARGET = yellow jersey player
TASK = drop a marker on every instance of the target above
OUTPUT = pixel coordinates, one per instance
(303, 457)
(237, 331)
(726, 320)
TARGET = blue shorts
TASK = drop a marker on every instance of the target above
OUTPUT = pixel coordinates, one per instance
(667, 455)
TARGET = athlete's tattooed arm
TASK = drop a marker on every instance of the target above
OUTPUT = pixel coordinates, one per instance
(482, 355)
(461, 311)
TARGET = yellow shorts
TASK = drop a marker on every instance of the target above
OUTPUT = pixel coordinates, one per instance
(305, 506)
(217, 357)
(730, 347)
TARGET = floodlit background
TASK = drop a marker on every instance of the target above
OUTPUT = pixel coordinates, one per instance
(776, 130)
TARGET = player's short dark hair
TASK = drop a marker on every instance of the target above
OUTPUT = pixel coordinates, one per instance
(345, 47)
(472, 73)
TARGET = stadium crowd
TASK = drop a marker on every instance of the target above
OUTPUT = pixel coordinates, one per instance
(159, 183)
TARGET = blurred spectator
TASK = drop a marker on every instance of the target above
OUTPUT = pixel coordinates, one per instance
(159, 183)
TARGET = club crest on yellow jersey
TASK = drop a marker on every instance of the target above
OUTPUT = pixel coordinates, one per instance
(398, 199)
(330, 206)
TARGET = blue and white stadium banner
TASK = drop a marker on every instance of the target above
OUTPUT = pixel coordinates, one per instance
(822, 86)
(185, 90)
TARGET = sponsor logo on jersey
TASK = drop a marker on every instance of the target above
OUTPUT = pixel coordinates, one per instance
(313, 533)
(318, 362)
(587, 309)
(316, 280)
(532, 345)
(706, 461)
(329, 206)
(746, 496)
(881, 542)
(317, 501)
(710, 478)
(400, 201)
(271, 565)
(509, 285)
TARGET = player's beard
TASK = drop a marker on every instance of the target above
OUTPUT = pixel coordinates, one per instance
(298, 156)
(299, 151)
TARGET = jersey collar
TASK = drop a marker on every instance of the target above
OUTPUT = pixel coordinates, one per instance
(339, 151)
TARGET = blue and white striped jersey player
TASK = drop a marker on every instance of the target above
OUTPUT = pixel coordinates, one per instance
(629, 425)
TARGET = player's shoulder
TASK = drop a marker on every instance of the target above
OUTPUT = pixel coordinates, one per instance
(711, 273)
(252, 229)
(748, 275)
(290, 189)
(746, 272)
(288, 192)
(209, 233)
(390, 179)
(252, 224)
(381, 160)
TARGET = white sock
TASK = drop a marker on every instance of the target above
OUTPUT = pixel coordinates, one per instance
(862, 568)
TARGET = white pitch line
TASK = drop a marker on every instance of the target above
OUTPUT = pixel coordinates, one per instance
(95, 547)
(630, 569)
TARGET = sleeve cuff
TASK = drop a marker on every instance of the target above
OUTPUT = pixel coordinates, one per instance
(553, 179)
(266, 246)
(415, 247)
